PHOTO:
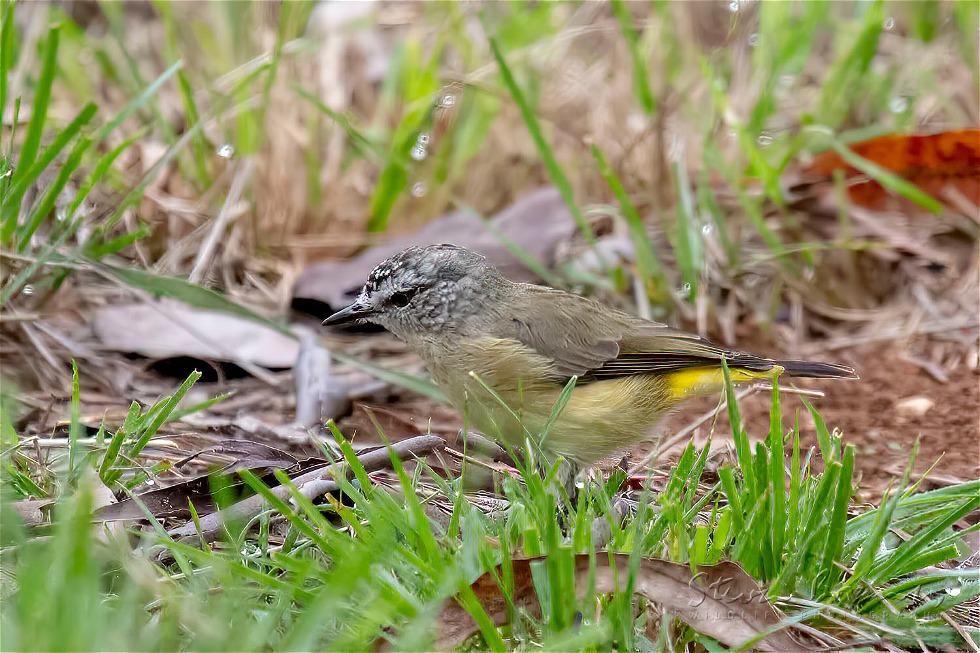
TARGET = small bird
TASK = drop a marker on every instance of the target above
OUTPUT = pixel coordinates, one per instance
(503, 352)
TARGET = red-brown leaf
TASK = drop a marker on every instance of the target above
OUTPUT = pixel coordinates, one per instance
(933, 162)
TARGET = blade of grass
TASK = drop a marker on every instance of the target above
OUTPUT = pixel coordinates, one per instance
(544, 149)
(647, 260)
(42, 97)
(838, 519)
(641, 83)
(886, 178)
(47, 201)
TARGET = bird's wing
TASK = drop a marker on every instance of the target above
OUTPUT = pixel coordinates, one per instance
(568, 330)
(593, 342)
(656, 349)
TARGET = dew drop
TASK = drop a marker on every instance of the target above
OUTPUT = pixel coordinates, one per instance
(764, 139)
(953, 591)
(898, 104)
(418, 152)
(753, 40)
(707, 229)
(733, 6)
(28, 290)
(423, 139)
(419, 189)
(889, 23)
(226, 150)
(447, 101)
(684, 291)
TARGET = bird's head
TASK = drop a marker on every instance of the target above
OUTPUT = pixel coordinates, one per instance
(423, 290)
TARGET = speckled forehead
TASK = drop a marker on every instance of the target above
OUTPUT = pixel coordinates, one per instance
(388, 270)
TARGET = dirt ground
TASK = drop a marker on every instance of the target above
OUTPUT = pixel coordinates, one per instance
(893, 403)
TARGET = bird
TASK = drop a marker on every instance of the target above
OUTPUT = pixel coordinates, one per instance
(521, 361)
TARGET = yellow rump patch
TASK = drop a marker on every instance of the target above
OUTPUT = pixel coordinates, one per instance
(697, 381)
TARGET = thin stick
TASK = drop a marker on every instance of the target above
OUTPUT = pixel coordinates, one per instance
(311, 484)
(225, 216)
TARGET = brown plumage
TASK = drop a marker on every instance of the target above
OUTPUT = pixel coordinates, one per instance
(503, 351)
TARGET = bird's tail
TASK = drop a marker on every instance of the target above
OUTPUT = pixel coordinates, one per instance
(817, 370)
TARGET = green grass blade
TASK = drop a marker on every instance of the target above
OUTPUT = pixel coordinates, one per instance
(14, 194)
(189, 293)
(688, 248)
(777, 477)
(838, 519)
(47, 201)
(886, 178)
(169, 406)
(544, 149)
(397, 378)
(743, 450)
(641, 83)
(6, 51)
(647, 260)
(42, 97)
(898, 563)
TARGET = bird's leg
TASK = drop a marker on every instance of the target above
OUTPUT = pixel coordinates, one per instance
(481, 448)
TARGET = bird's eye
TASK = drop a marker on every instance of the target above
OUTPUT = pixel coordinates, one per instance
(402, 298)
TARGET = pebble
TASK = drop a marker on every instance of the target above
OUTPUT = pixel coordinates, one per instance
(916, 406)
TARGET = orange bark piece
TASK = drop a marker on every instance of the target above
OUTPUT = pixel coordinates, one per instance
(933, 162)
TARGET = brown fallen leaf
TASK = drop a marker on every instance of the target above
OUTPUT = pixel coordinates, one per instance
(538, 222)
(720, 601)
(173, 500)
(933, 162)
(33, 511)
(168, 328)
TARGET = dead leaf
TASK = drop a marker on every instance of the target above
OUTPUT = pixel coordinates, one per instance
(720, 601)
(167, 328)
(33, 511)
(172, 501)
(538, 222)
(933, 162)
(234, 452)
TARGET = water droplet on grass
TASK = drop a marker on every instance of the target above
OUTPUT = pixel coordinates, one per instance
(889, 23)
(733, 6)
(707, 229)
(226, 150)
(28, 290)
(419, 189)
(447, 101)
(898, 104)
(419, 153)
(683, 292)
(764, 139)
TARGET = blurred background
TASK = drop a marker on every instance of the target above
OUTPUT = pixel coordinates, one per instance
(192, 185)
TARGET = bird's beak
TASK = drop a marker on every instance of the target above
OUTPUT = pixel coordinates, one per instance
(356, 311)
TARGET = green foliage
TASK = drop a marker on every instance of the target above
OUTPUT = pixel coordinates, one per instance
(378, 566)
